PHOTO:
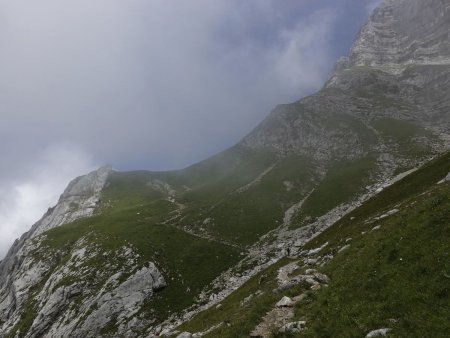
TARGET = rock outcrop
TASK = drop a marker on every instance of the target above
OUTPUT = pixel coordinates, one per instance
(18, 272)
(378, 333)
(398, 68)
(402, 32)
(79, 200)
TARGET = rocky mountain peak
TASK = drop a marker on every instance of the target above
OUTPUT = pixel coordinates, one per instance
(401, 32)
(78, 200)
(376, 81)
(87, 184)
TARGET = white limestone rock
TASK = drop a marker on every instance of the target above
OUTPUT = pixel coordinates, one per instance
(124, 301)
(293, 327)
(185, 335)
(378, 333)
(53, 306)
(79, 200)
(445, 179)
(285, 302)
(321, 278)
(402, 32)
(345, 247)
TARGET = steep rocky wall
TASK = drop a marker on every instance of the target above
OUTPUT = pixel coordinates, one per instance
(78, 200)
(404, 31)
(398, 66)
(74, 299)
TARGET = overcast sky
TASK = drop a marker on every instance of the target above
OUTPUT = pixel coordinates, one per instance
(147, 84)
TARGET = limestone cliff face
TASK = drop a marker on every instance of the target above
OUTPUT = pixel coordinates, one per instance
(17, 273)
(78, 201)
(402, 32)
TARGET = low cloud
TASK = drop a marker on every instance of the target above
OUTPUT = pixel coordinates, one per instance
(304, 60)
(145, 83)
(24, 201)
(371, 5)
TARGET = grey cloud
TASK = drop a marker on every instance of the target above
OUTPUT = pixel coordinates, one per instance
(371, 5)
(129, 79)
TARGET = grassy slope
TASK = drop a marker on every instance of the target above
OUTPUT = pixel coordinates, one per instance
(404, 138)
(344, 181)
(243, 216)
(241, 318)
(213, 190)
(399, 272)
(396, 277)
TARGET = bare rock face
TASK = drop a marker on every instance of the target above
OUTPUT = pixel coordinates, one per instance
(402, 32)
(78, 200)
(398, 67)
(311, 127)
(116, 302)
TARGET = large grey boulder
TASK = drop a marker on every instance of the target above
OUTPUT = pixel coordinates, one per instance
(285, 302)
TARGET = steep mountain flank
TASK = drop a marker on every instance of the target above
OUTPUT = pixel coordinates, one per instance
(78, 201)
(95, 275)
(135, 254)
(383, 268)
